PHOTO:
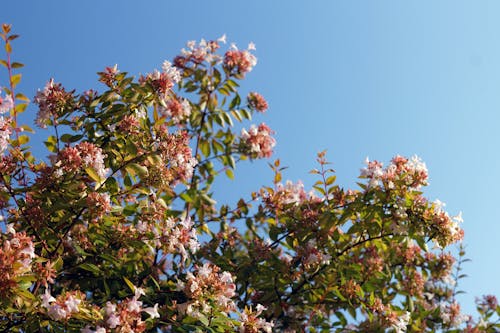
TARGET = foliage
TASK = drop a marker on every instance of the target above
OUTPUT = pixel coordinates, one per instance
(101, 235)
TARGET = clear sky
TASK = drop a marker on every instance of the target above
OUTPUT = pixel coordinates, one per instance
(358, 78)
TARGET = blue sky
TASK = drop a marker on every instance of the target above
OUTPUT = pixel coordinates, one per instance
(358, 78)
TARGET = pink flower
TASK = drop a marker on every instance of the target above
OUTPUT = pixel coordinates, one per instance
(177, 110)
(257, 102)
(257, 141)
(47, 298)
(53, 100)
(6, 104)
(113, 321)
(5, 131)
(72, 304)
(240, 62)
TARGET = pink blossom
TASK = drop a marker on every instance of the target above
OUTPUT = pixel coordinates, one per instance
(238, 61)
(47, 298)
(257, 141)
(72, 303)
(6, 104)
(113, 320)
(177, 110)
(256, 101)
(53, 100)
(171, 71)
(5, 131)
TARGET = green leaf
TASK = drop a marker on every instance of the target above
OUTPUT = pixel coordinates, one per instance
(91, 268)
(17, 65)
(229, 174)
(205, 147)
(15, 79)
(236, 115)
(134, 168)
(330, 180)
(93, 174)
(22, 97)
(246, 114)
(28, 129)
(20, 108)
(129, 284)
(236, 101)
(51, 143)
(23, 139)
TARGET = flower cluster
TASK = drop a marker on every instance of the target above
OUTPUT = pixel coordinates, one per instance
(177, 110)
(162, 82)
(6, 104)
(179, 237)
(52, 101)
(291, 193)
(83, 155)
(99, 203)
(197, 53)
(257, 102)
(257, 141)
(312, 256)
(400, 323)
(240, 61)
(125, 316)
(487, 303)
(108, 77)
(129, 124)
(206, 286)
(451, 314)
(448, 229)
(64, 306)
(174, 149)
(403, 172)
(5, 132)
(251, 322)
(172, 236)
(17, 252)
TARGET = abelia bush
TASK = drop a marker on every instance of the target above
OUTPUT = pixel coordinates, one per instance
(115, 227)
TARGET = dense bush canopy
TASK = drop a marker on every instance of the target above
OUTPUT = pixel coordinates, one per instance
(103, 232)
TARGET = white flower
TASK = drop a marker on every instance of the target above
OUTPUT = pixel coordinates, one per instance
(259, 308)
(56, 312)
(110, 308)
(222, 39)
(458, 218)
(9, 227)
(47, 298)
(6, 104)
(251, 46)
(401, 323)
(72, 304)
(439, 206)
(226, 277)
(113, 321)
(152, 311)
(134, 305)
(138, 292)
(171, 71)
(205, 270)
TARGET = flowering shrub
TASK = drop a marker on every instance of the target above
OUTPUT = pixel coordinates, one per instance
(102, 233)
